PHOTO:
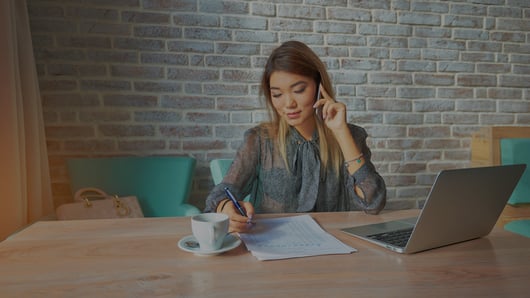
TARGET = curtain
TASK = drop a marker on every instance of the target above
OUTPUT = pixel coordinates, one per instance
(25, 187)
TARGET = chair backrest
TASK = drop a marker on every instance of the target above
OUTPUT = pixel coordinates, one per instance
(517, 151)
(218, 168)
(162, 184)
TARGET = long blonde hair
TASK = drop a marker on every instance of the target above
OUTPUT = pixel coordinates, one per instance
(297, 58)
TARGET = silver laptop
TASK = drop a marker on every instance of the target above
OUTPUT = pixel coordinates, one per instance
(463, 204)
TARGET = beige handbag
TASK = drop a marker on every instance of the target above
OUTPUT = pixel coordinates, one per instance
(94, 203)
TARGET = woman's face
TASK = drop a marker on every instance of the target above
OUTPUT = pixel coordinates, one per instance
(293, 97)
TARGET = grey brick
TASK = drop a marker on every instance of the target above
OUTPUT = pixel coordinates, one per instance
(437, 54)
(300, 11)
(363, 64)
(434, 79)
(139, 44)
(129, 100)
(475, 105)
(207, 34)
(422, 66)
(237, 48)
(476, 80)
(369, 52)
(387, 42)
(431, 32)
(350, 40)
(455, 92)
(430, 7)
(173, 5)
(446, 44)
(157, 116)
(484, 46)
(145, 17)
(112, 56)
(219, 7)
(104, 28)
(263, 9)
(478, 57)
(186, 74)
(335, 27)
(468, 34)
(380, 4)
(157, 31)
(251, 23)
(157, 87)
(462, 21)
(395, 30)
(419, 19)
(103, 14)
(347, 14)
(384, 16)
(191, 46)
(251, 36)
(164, 59)
(391, 78)
(105, 85)
(146, 72)
(514, 81)
(513, 24)
(290, 25)
(228, 61)
(468, 9)
(415, 92)
(497, 118)
(202, 20)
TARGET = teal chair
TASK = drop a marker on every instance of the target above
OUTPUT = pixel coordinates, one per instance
(218, 169)
(162, 184)
(520, 226)
(517, 151)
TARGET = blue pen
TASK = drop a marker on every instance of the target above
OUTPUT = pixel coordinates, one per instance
(236, 203)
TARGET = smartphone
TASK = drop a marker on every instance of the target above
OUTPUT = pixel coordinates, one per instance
(318, 110)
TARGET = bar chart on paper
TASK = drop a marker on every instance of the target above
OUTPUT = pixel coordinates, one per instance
(291, 237)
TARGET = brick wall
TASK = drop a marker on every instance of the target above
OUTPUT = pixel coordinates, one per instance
(159, 77)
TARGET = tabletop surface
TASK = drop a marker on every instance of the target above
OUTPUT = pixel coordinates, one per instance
(140, 258)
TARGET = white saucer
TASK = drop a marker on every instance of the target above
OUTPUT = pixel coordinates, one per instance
(187, 244)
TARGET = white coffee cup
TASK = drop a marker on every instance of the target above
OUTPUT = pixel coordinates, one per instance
(210, 230)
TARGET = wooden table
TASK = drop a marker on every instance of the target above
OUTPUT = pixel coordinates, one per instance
(140, 258)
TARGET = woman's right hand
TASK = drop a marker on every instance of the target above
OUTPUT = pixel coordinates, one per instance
(238, 222)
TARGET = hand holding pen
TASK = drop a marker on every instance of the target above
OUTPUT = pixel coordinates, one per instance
(241, 217)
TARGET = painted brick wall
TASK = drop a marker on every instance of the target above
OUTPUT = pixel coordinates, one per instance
(159, 77)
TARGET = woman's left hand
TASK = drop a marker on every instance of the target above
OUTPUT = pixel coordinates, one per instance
(333, 113)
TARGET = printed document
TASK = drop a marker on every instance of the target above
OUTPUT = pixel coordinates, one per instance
(291, 237)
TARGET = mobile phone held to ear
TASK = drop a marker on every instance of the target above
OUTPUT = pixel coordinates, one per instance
(318, 110)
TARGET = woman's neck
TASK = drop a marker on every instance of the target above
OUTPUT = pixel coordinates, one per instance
(306, 130)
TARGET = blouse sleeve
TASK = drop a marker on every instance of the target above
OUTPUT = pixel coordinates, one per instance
(242, 173)
(366, 178)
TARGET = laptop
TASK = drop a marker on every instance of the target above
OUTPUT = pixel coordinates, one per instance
(463, 204)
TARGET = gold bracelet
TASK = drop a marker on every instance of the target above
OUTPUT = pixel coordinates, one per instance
(357, 159)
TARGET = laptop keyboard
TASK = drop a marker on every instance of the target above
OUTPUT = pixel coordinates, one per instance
(397, 238)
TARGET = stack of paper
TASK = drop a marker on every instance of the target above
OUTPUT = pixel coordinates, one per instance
(291, 237)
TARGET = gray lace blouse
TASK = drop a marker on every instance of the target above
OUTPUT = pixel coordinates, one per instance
(258, 170)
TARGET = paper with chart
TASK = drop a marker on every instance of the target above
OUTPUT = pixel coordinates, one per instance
(291, 237)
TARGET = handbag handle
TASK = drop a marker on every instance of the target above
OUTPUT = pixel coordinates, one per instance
(78, 196)
(121, 208)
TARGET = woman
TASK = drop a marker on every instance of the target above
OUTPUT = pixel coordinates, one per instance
(300, 161)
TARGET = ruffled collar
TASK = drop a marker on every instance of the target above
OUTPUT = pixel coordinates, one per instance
(306, 165)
